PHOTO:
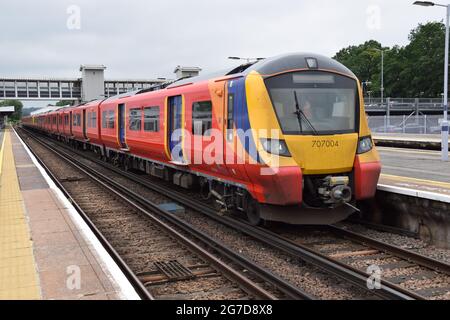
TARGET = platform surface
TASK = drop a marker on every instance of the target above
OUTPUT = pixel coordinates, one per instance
(45, 253)
(419, 170)
(18, 271)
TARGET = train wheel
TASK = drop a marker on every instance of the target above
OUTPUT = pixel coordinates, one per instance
(126, 164)
(205, 189)
(254, 212)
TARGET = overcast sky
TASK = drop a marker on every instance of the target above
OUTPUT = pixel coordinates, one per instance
(147, 39)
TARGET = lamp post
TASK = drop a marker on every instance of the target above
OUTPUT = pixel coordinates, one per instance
(445, 123)
(365, 85)
(382, 77)
(382, 74)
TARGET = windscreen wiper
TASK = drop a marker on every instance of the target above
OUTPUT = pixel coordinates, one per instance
(302, 116)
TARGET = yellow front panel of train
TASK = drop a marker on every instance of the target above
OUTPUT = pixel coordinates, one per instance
(323, 154)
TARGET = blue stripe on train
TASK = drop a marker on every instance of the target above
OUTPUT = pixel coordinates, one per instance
(241, 118)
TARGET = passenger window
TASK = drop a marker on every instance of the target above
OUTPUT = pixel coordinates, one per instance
(94, 119)
(230, 116)
(111, 119)
(88, 120)
(151, 119)
(134, 121)
(104, 120)
(202, 118)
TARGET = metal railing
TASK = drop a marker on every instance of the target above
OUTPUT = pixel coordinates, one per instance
(414, 124)
(395, 104)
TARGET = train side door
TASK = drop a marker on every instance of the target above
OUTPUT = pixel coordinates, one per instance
(84, 124)
(174, 135)
(122, 124)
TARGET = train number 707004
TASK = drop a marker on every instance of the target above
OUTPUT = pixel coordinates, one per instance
(325, 144)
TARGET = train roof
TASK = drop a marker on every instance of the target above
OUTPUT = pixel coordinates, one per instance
(294, 61)
(266, 67)
(274, 65)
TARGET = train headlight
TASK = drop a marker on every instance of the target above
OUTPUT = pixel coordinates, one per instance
(276, 147)
(365, 145)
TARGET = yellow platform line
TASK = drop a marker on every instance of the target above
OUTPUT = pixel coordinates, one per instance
(18, 276)
(418, 181)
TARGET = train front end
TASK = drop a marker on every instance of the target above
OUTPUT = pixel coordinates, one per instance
(307, 114)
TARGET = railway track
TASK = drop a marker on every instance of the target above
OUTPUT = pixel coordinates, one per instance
(426, 277)
(160, 261)
(327, 263)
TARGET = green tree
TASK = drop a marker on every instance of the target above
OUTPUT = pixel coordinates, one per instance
(363, 60)
(18, 106)
(411, 71)
(395, 80)
(425, 60)
(63, 103)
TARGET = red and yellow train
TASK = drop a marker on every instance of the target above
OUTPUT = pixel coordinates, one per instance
(283, 139)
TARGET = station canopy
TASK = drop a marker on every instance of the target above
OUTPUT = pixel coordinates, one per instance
(7, 110)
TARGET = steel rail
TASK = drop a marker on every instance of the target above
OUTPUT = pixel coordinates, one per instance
(357, 277)
(142, 204)
(415, 257)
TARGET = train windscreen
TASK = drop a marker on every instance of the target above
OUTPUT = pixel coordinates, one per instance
(314, 103)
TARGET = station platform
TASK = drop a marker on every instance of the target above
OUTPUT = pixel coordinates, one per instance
(46, 249)
(414, 194)
(418, 173)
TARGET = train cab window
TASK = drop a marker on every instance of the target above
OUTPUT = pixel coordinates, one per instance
(135, 119)
(111, 119)
(315, 102)
(151, 119)
(201, 118)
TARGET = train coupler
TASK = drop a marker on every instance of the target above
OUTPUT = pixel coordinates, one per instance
(335, 190)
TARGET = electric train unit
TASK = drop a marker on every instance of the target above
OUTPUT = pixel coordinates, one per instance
(283, 139)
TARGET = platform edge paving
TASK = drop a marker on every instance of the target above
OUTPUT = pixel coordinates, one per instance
(18, 274)
(102, 277)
